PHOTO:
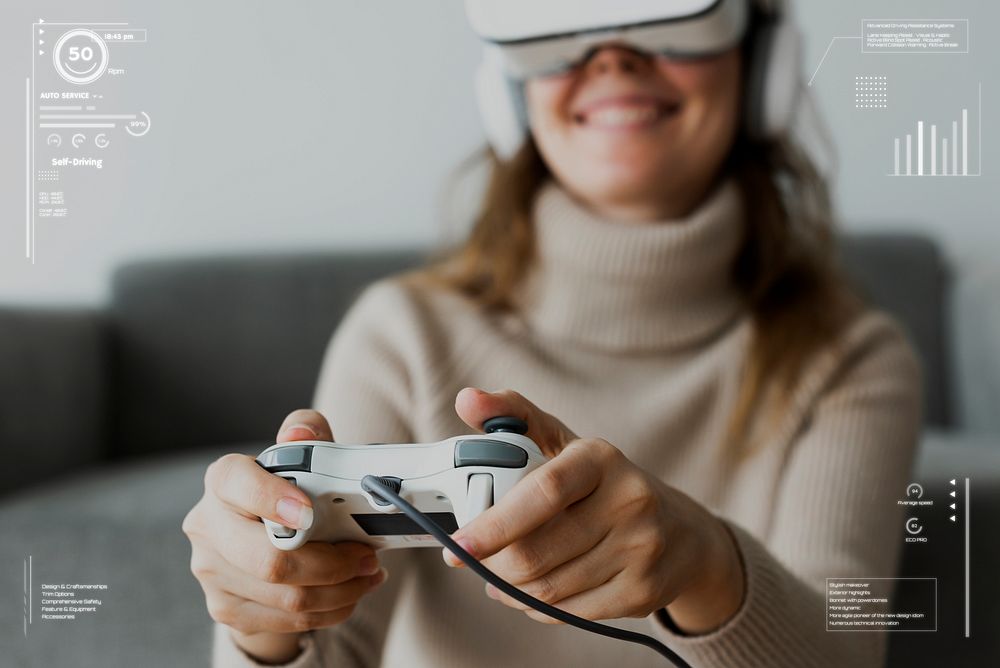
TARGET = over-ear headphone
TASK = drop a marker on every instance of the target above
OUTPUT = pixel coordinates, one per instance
(775, 82)
(774, 86)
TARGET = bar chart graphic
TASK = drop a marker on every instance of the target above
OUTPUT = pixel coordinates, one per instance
(930, 149)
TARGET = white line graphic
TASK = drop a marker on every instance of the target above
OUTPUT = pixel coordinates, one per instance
(86, 116)
(825, 54)
(76, 125)
(27, 164)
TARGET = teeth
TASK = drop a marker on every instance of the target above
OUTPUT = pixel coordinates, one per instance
(615, 116)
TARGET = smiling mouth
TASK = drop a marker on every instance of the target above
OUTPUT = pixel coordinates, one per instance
(627, 115)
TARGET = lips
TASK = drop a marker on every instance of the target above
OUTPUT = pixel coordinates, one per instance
(625, 112)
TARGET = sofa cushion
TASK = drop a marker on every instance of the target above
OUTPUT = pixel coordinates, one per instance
(118, 526)
(945, 457)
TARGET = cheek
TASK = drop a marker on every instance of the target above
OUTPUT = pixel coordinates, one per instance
(713, 91)
(546, 101)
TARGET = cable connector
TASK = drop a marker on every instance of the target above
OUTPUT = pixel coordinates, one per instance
(384, 481)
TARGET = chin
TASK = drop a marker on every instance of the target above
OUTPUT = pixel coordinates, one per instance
(625, 183)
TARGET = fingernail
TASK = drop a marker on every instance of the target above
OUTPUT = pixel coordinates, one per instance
(301, 425)
(294, 513)
(381, 576)
(369, 565)
(492, 591)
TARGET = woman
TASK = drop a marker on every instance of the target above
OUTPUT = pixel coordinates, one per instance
(727, 425)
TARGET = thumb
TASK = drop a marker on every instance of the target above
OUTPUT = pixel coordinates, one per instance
(304, 425)
(476, 406)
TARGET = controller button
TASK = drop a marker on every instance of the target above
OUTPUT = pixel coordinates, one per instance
(283, 532)
(481, 452)
(288, 458)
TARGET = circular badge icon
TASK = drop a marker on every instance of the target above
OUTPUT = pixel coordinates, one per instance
(80, 56)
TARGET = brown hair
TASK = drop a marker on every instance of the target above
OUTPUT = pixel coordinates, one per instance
(784, 269)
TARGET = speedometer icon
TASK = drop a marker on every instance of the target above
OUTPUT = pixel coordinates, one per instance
(80, 56)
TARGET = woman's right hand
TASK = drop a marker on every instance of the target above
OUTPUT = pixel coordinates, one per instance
(269, 597)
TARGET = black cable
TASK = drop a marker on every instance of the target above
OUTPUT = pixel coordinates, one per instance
(373, 485)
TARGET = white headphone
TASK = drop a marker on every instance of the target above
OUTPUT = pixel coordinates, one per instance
(774, 89)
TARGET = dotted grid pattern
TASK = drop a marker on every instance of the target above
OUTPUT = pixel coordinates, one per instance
(48, 175)
(871, 92)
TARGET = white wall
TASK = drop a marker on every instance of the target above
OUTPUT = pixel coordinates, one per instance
(322, 123)
(275, 124)
(960, 212)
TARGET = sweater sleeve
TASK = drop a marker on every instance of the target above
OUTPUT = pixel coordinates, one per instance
(835, 515)
(363, 390)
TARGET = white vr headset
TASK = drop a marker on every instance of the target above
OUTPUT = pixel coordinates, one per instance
(524, 39)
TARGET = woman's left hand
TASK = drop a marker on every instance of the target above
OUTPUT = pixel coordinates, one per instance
(593, 534)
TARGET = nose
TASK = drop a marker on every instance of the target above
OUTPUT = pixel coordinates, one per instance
(615, 57)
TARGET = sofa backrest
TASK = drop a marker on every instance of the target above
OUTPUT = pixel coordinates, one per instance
(54, 392)
(907, 276)
(217, 350)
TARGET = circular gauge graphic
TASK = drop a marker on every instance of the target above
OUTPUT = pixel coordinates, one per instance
(80, 56)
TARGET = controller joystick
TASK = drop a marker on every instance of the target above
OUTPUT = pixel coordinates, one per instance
(505, 424)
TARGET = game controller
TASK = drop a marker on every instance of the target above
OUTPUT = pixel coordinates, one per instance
(451, 482)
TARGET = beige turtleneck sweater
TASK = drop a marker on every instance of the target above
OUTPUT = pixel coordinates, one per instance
(632, 333)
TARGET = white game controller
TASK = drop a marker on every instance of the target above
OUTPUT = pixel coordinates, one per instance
(451, 481)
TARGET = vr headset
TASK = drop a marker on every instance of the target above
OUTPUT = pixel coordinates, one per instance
(524, 39)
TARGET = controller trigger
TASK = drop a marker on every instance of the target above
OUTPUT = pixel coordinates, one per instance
(505, 423)
(479, 495)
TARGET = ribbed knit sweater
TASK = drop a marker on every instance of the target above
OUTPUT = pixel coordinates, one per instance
(635, 334)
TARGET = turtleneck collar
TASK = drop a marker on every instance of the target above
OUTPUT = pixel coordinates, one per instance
(622, 286)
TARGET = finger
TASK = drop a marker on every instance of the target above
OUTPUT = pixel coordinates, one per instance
(475, 406)
(300, 598)
(587, 571)
(560, 540)
(533, 501)
(251, 617)
(244, 544)
(241, 483)
(607, 601)
(305, 424)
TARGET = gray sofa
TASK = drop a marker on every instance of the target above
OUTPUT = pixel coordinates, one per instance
(108, 418)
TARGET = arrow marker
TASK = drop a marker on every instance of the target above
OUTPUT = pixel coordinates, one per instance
(952, 494)
(41, 32)
(952, 518)
(41, 53)
(952, 506)
(41, 41)
(952, 481)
